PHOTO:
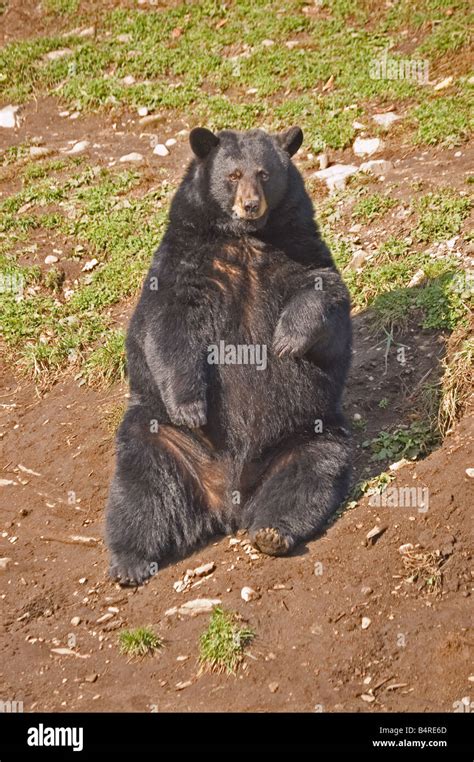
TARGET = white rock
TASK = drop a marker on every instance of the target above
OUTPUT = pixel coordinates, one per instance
(8, 118)
(268, 43)
(336, 176)
(202, 571)
(134, 156)
(90, 265)
(234, 541)
(50, 259)
(129, 80)
(5, 563)
(80, 146)
(470, 472)
(75, 621)
(171, 142)
(444, 83)
(193, 608)
(54, 55)
(7, 483)
(367, 146)
(249, 594)
(323, 161)
(386, 120)
(358, 125)
(143, 111)
(398, 464)
(405, 548)
(418, 278)
(38, 152)
(376, 167)
(63, 114)
(160, 150)
(104, 618)
(366, 622)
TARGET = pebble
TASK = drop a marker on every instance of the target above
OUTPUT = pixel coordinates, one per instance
(386, 120)
(405, 548)
(273, 687)
(470, 472)
(5, 563)
(80, 146)
(366, 622)
(366, 591)
(193, 608)
(323, 160)
(367, 146)
(378, 167)
(37, 152)
(143, 111)
(91, 678)
(134, 156)
(336, 176)
(182, 685)
(55, 55)
(8, 118)
(249, 594)
(129, 80)
(50, 259)
(75, 621)
(367, 697)
(160, 150)
(444, 83)
(170, 142)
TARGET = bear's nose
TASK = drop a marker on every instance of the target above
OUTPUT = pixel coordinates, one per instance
(251, 205)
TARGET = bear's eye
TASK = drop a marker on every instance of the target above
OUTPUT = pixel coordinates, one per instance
(234, 176)
(263, 175)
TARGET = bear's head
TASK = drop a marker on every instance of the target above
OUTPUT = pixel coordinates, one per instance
(246, 172)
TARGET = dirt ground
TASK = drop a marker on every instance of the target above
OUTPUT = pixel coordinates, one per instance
(314, 650)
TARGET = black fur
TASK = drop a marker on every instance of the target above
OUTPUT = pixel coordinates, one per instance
(207, 448)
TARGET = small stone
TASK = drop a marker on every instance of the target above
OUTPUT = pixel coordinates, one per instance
(91, 678)
(386, 120)
(55, 55)
(143, 111)
(160, 150)
(134, 156)
(83, 580)
(38, 152)
(367, 697)
(418, 278)
(50, 259)
(90, 265)
(357, 417)
(366, 622)
(249, 594)
(374, 533)
(323, 160)
(80, 146)
(358, 125)
(367, 146)
(129, 80)
(5, 563)
(75, 621)
(366, 590)
(8, 118)
(182, 685)
(182, 658)
(444, 83)
(377, 167)
(336, 176)
(234, 541)
(170, 142)
(268, 43)
(273, 687)
(104, 618)
(192, 608)
(406, 548)
(470, 473)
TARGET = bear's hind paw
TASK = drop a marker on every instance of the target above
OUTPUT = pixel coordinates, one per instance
(270, 541)
(131, 572)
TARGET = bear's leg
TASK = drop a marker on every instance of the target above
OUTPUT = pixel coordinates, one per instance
(303, 485)
(168, 494)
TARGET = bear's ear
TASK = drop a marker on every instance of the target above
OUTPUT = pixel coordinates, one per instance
(202, 141)
(291, 140)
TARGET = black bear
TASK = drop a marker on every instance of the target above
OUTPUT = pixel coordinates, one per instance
(237, 355)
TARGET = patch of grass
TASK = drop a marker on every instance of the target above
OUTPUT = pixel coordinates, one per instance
(445, 121)
(410, 442)
(440, 216)
(139, 642)
(106, 364)
(372, 206)
(375, 485)
(112, 417)
(53, 279)
(61, 7)
(457, 385)
(222, 645)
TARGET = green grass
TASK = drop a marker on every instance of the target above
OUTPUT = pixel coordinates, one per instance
(410, 442)
(106, 364)
(456, 385)
(372, 206)
(139, 642)
(222, 645)
(440, 216)
(204, 57)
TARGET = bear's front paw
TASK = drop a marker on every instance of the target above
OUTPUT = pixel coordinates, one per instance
(130, 571)
(289, 342)
(271, 541)
(191, 414)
